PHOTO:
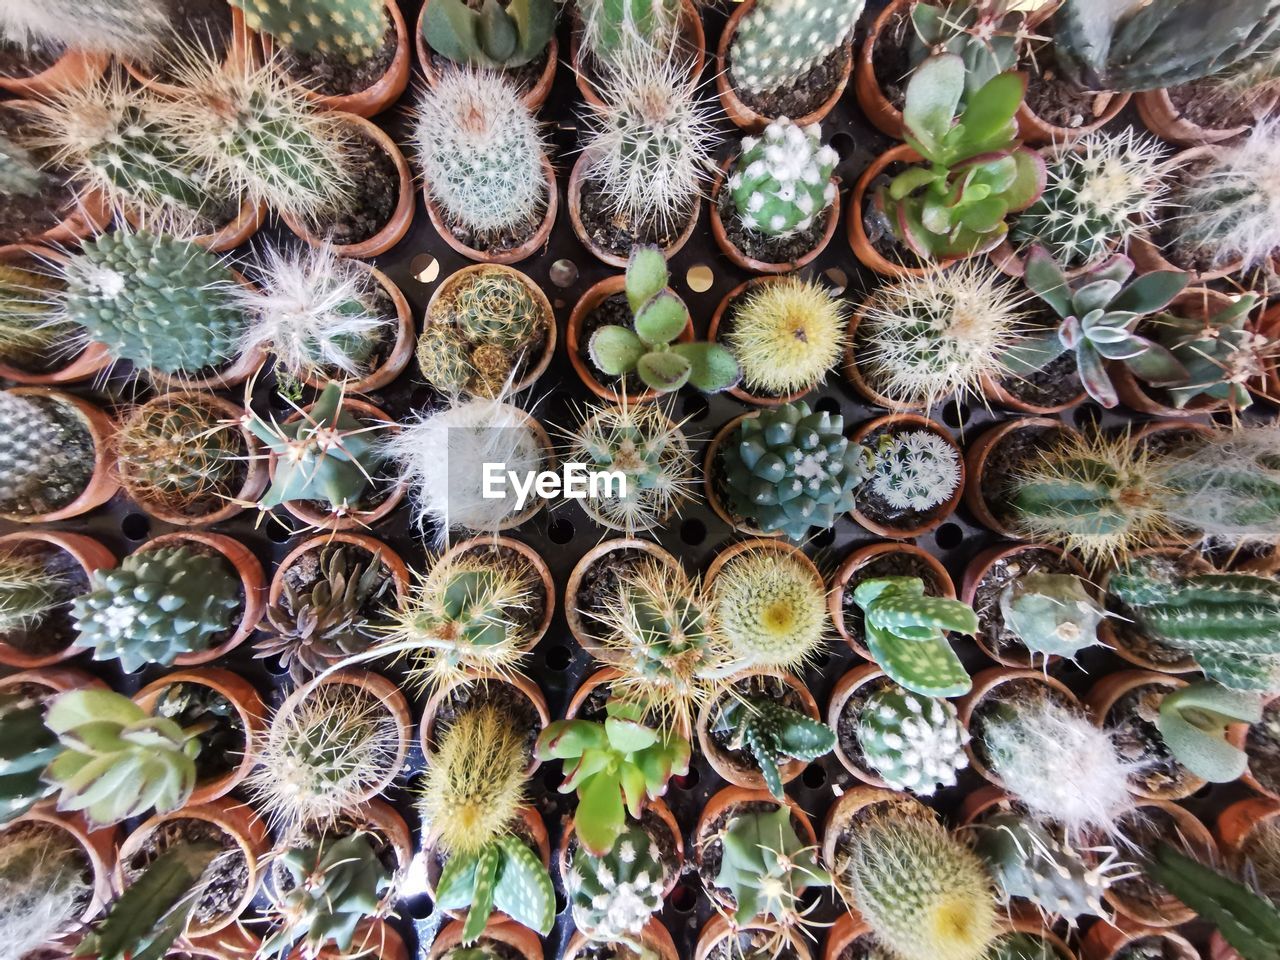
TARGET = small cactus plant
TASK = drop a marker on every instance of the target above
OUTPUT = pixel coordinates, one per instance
(157, 605)
(33, 330)
(780, 41)
(495, 36)
(43, 887)
(906, 634)
(1053, 614)
(27, 746)
(989, 36)
(29, 589)
(350, 29)
(770, 610)
(916, 470)
(781, 183)
(789, 469)
(40, 454)
(912, 742)
(616, 30)
(1193, 724)
(1219, 354)
(612, 896)
(765, 867)
(772, 734)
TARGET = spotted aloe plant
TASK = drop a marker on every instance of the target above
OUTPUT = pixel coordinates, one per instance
(504, 875)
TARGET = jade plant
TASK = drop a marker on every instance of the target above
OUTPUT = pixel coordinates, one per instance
(912, 742)
(613, 895)
(789, 469)
(976, 172)
(649, 349)
(493, 35)
(351, 30)
(618, 764)
(1052, 614)
(906, 634)
(157, 605)
(1220, 354)
(27, 747)
(765, 867)
(1193, 723)
(778, 42)
(781, 182)
(772, 733)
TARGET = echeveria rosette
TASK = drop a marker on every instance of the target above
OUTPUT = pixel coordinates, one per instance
(1099, 315)
(620, 764)
(906, 634)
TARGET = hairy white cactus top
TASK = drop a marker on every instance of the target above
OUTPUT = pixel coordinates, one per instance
(918, 472)
(132, 31)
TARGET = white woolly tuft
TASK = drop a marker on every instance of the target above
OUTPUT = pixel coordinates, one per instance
(133, 31)
(919, 472)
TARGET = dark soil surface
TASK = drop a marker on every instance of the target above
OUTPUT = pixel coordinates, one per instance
(765, 247)
(1205, 104)
(612, 311)
(506, 697)
(713, 849)
(524, 77)
(494, 243)
(849, 721)
(876, 508)
(893, 564)
(996, 635)
(1055, 99)
(531, 615)
(1018, 689)
(891, 58)
(204, 24)
(1014, 453)
(56, 629)
(20, 62)
(598, 588)
(25, 218)
(755, 687)
(612, 232)
(1144, 829)
(1154, 947)
(1126, 631)
(1263, 747)
(1056, 384)
(752, 943)
(371, 203)
(876, 225)
(332, 74)
(222, 746)
(800, 98)
(229, 879)
(1133, 720)
(70, 469)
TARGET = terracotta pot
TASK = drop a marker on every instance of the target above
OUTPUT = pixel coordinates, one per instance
(743, 115)
(74, 69)
(719, 759)
(234, 818)
(520, 939)
(1103, 940)
(858, 559)
(534, 370)
(1170, 912)
(1109, 636)
(846, 687)
(525, 687)
(986, 683)
(858, 240)
(736, 256)
(911, 421)
(596, 294)
(392, 562)
(734, 550)
(538, 239)
(102, 484)
(533, 825)
(573, 616)
(975, 463)
(230, 943)
(658, 807)
(1032, 925)
(373, 940)
(978, 570)
(1161, 117)
(844, 933)
(978, 803)
(402, 347)
(1237, 821)
(718, 929)
(883, 115)
(1240, 738)
(532, 557)
(1102, 697)
(692, 42)
(55, 680)
(236, 232)
(393, 231)
(576, 177)
(249, 708)
(847, 806)
(854, 373)
(1035, 131)
(534, 97)
(654, 938)
(721, 315)
(709, 475)
(352, 519)
(98, 845)
(241, 53)
(87, 552)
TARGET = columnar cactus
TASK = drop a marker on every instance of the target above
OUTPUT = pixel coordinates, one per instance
(770, 610)
(916, 470)
(773, 734)
(782, 181)
(613, 896)
(1194, 721)
(906, 634)
(178, 454)
(157, 605)
(1220, 355)
(494, 36)
(765, 867)
(789, 469)
(786, 334)
(1226, 485)
(614, 30)
(780, 41)
(351, 29)
(1053, 614)
(32, 448)
(156, 300)
(27, 746)
(912, 742)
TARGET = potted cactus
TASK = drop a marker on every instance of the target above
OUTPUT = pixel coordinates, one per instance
(614, 896)
(996, 462)
(519, 700)
(37, 344)
(596, 582)
(609, 39)
(654, 940)
(917, 479)
(1159, 832)
(875, 561)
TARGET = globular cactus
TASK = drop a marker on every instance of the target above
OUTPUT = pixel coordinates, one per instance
(495, 36)
(34, 446)
(1194, 721)
(613, 30)
(326, 454)
(906, 634)
(989, 36)
(334, 883)
(493, 306)
(765, 867)
(786, 334)
(1053, 614)
(613, 896)
(773, 734)
(925, 894)
(159, 301)
(1220, 355)
(130, 31)
(912, 742)
(43, 887)
(32, 328)
(28, 590)
(20, 172)
(1230, 622)
(780, 41)
(157, 605)
(782, 181)
(27, 746)
(481, 153)
(916, 470)
(351, 29)
(789, 469)
(770, 609)
(444, 357)
(178, 454)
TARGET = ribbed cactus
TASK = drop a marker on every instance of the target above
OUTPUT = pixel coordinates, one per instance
(1194, 721)
(481, 152)
(43, 886)
(178, 454)
(765, 867)
(1230, 622)
(613, 896)
(351, 29)
(495, 36)
(925, 894)
(1220, 354)
(912, 742)
(1226, 484)
(786, 334)
(773, 734)
(29, 589)
(444, 357)
(770, 609)
(988, 36)
(1053, 614)
(156, 300)
(780, 41)
(334, 883)
(907, 634)
(916, 470)
(32, 443)
(32, 328)
(20, 173)
(788, 469)
(782, 180)
(27, 746)
(156, 605)
(614, 29)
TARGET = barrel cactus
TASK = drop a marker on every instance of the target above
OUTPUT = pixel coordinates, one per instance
(906, 634)
(781, 182)
(157, 605)
(179, 454)
(1053, 614)
(350, 29)
(34, 446)
(912, 742)
(770, 610)
(765, 867)
(780, 41)
(613, 896)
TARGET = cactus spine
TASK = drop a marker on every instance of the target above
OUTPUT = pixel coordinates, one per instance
(782, 181)
(780, 41)
(614, 895)
(916, 470)
(29, 589)
(133, 30)
(770, 609)
(43, 887)
(786, 334)
(34, 447)
(32, 329)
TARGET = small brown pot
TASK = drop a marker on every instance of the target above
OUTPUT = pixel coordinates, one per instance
(735, 550)
(1161, 117)
(87, 552)
(693, 41)
(538, 239)
(241, 54)
(234, 818)
(519, 938)
(535, 370)
(596, 294)
(1104, 940)
(373, 940)
(719, 760)
(654, 938)
(1240, 739)
(679, 446)
(1107, 633)
(598, 678)
(573, 616)
(896, 421)
(99, 848)
(249, 708)
(975, 463)
(54, 679)
(858, 240)
(844, 933)
(721, 315)
(533, 98)
(1102, 696)
(1237, 821)
(883, 115)
(858, 559)
(533, 824)
(75, 68)
(848, 685)
(576, 177)
(847, 806)
(741, 114)
(535, 561)
(719, 505)
(658, 807)
(735, 255)
(391, 561)
(236, 232)
(1219, 949)
(976, 804)
(719, 929)
(353, 519)
(987, 682)
(1170, 912)
(525, 687)
(102, 484)
(978, 569)
(996, 393)
(394, 229)
(1035, 131)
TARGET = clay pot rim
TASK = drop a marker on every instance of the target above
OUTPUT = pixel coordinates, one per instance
(740, 547)
(695, 48)
(573, 616)
(858, 240)
(975, 463)
(55, 679)
(859, 558)
(883, 115)
(1036, 131)
(499, 928)
(718, 928)
(995, 391)
(854, 373)
(1174, 913)
(521, 684)
(1159, 115)
(534, 559)
(654, 935)
(984, 683)
(857, 798)
(847, 685)
(941, 513)
(718, 504)
(72, 68)
(1104, 940)
(97, 844)
(739, 391)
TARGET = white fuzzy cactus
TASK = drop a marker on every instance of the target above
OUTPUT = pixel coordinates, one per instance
(782, 180)
(918, 470)
(129, 29)
(780, 41)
